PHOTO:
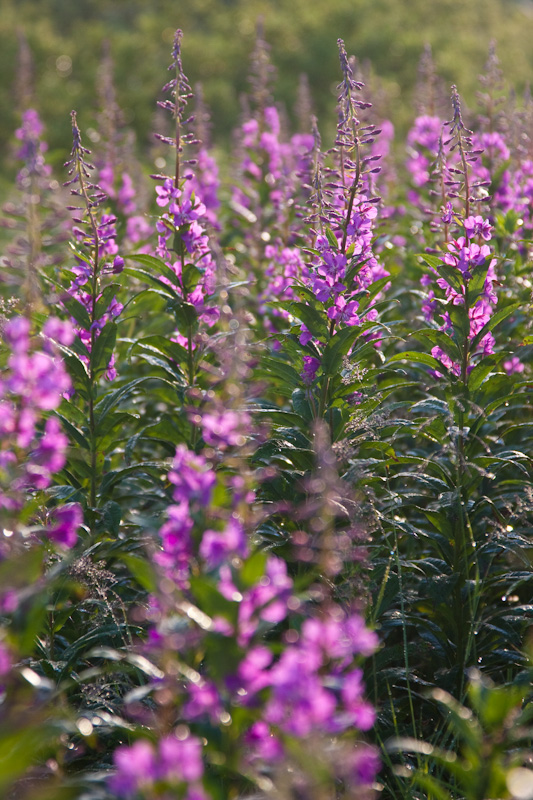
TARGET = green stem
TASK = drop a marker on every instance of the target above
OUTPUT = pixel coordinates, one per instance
(461, 557)
(92, 316)
(351, 197)
(403, 616)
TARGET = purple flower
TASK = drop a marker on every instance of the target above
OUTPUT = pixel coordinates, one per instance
(356, 711)
(203, 699)
(217, 546)
(344, 311)
(225, 428)
(180, 759)
(67, 519)
(126, 194)
(136, 767)
(363, 765)
(262, 743)
(513, 365)
(16, 332)
(298, 703)
(5, 661)
(59, 330)
(477, 226)
(311, 366)
(49, 457)
(118, 265)
(253, 674)
(267, 600)
(192, 477)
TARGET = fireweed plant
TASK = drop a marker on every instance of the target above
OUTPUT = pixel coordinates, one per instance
(265, 464)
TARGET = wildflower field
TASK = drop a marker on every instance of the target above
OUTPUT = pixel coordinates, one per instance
(266, 452)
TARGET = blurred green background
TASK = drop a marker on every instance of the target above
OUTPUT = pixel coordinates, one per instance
(66, 38)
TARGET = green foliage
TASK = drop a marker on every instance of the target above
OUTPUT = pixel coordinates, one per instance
(220, 38)
(491, 737)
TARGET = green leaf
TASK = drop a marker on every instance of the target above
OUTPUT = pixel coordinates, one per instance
(186, 315)
(156, 266)
(111, 517)
(417, 358)
(366, 297)
(332, 239)
(431, 260)
(117, 475)
(191, 277)
(165, 290)
(77, 371)
(482, 370)
(476, 285)
(172, 350)
(142, 571)
(20, 748)
(107, 403)
(300, 403)
(439, 339)
(281, 370)
(73, 432)
(105, 299)
(253, 569)
(337, 348)
(460, 320)
(313, 319)
(76, 310)
(103, 347)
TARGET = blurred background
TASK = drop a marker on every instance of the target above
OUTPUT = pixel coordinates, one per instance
(51, 55)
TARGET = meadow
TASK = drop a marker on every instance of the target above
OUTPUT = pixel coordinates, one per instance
(266, 450)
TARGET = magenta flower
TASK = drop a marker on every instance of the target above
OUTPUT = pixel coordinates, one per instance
(180, 759)
(344, 311)
(203, 699)
(136, 767)
(311, 367)
(477, 226)
(225, 428)
(217, 546)
(263, 744)
(66, 520)
(192, 477)
(513, 365)
(59, 330)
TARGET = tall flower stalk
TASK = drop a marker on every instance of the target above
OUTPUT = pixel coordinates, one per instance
(92, 308)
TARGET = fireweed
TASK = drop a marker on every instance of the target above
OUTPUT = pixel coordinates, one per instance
(33, 449)
(203, 634)
(262, 697)
(269, 200)
(38, 216)
(96, 255)
(342, 282)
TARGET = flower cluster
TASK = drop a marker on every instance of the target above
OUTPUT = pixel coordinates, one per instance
(343, 264)
(313, 685)
(96, 254)
(185, 221)
(175, 764)
(32, 148)
(33, 448)
(183, 242)
(470, 259)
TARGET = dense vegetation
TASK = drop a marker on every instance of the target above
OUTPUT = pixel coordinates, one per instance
(388, 36)
(266, 443)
